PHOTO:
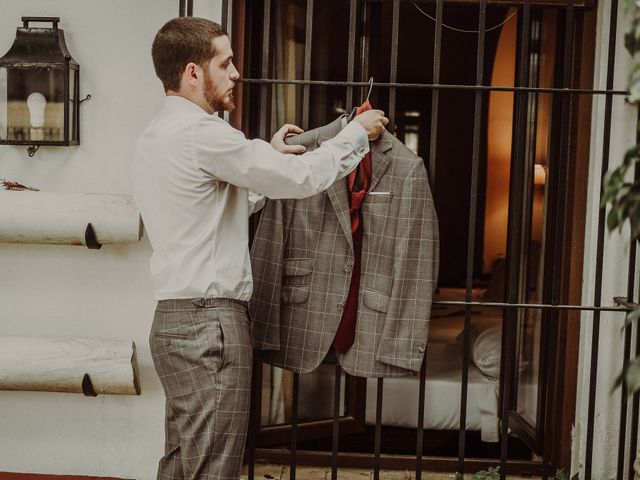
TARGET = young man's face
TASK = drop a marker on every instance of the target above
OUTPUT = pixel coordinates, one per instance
(220, 77)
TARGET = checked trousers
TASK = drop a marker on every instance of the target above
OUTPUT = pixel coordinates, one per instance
(201, 349)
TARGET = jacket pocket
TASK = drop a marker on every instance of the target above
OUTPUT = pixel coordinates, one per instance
(375, 300)
(296, 271)
(171, 335)
(378, 198)
(294, 294)
(297, 266)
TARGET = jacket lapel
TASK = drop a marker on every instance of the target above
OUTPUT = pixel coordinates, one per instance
(380, 161)
(338, 191)
(340, 201)
(338, 194)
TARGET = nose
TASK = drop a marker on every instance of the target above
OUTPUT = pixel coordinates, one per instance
(234, 74)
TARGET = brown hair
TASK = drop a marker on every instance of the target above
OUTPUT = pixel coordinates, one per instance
(180, 41)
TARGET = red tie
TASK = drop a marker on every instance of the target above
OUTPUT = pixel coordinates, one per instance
(357, 185)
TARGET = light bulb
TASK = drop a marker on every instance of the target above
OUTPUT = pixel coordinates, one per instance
(36, 103)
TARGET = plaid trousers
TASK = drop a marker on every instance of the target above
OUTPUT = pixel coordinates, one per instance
(201, 349)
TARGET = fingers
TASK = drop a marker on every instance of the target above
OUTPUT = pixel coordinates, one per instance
(289, 129)
(294, 149)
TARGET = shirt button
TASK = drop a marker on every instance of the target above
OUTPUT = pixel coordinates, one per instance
(348, 267)
(340, 305)
(420, 350)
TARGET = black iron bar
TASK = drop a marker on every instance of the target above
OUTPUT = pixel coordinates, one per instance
(351, 55)
(635, 412)
(471, 241)
(514, 236)
(189, 8)
(307, 64)
(365, 20)
(420, 429)
(635, 403)
(595, 336)
(295, 390)
(266, 24)
(226, 16)
(226, 24)
(393, 75)
(624, 398)
(435, 95)
(532, 305)
(378, 433)
(336, 424)
(437, 86)
(557, 215)
(181, 8)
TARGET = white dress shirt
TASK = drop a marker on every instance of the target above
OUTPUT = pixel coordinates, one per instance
(192, 176)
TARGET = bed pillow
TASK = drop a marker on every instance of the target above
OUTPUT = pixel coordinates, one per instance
(486, 351)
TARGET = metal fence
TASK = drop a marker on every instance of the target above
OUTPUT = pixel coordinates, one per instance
(524, 91)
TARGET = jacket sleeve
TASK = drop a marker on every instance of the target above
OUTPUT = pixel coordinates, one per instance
(415, 273)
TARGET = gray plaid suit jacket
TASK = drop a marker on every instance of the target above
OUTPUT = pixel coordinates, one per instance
(302, 258)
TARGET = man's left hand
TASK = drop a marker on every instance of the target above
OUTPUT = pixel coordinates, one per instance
(286, 130)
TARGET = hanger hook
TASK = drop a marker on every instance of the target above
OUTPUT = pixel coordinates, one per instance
(370, 88)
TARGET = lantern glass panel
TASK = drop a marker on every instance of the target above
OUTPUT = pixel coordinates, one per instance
(73, 94)
(3, 103)
(36, 103)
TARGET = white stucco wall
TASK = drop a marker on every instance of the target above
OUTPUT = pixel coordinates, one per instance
(616, 260)
(72, 291)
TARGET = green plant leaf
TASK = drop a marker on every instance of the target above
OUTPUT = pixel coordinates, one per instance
(560, 475)
(613, 219)
(631, 317)
(632, 376)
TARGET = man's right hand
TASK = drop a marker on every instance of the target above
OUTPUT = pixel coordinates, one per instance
(373, 121)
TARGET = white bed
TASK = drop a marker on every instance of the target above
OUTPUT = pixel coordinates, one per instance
(442, 396)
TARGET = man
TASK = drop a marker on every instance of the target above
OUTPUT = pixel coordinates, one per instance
(192, 174)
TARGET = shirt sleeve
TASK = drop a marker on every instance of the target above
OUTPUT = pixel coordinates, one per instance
(224, 153)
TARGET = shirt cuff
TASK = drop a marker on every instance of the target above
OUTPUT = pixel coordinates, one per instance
(357, 137)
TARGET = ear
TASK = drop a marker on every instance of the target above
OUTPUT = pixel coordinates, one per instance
(192, 74)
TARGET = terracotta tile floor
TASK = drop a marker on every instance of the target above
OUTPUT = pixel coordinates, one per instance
(279, 472)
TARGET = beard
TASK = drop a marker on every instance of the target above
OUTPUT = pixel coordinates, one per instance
(215, 101)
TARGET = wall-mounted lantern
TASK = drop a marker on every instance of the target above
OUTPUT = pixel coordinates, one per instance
(39, 89)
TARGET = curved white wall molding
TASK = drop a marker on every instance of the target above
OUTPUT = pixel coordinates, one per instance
(60, 364)
(62, 218)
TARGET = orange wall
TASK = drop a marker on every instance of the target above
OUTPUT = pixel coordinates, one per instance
(499, 146)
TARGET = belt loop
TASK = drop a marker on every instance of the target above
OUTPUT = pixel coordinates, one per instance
(198, 302)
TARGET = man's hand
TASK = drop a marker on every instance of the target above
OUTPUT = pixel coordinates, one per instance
(286, 130)
(373, 121)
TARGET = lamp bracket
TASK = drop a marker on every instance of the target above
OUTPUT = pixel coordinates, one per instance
(54, 20)
(88, 97)
(32, 149)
